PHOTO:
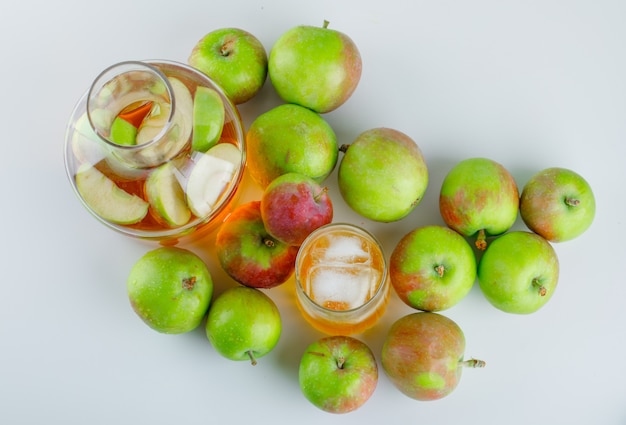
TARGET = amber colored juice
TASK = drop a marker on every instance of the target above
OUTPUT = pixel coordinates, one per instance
(342, 285)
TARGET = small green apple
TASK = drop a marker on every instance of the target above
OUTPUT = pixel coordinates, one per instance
(243, 324)
(338, 374)
(432, 268)
(235, 59)
(170, 289)
(479, 198)
(382, 175)
(290, 138)
(106, 199)
(558, 204)
(316, 67)
(208, 119)
(249, 254)
(166, 195)
(422, 355)
(518, 273)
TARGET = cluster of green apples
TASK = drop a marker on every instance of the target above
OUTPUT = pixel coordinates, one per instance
(382, 176)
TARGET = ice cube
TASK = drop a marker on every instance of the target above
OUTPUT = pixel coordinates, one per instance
(347, 249)
(349, 285)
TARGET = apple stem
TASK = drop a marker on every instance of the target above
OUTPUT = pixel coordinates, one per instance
(340, 361)
(317, 197)
(344, 148)
(481, 240)
(542, 289)
(326, 23)
(252, 358)
(473, 363)
(571, 202)
(440, 269)
(268, 242)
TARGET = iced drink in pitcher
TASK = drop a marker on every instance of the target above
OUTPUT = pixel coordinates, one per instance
(342, 287)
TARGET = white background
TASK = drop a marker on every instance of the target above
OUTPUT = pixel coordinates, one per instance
(530, 84)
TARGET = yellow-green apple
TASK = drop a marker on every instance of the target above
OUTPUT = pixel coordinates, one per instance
(558, 204)
(423, 354)
(479, 198)
(243, 324)
(338, 374)
(293, 205)
(519, 272)
(316, 67)
(432, 268)
(249, 254)
(382, 175)
(235, 59)
(170, 289)
(290, 138)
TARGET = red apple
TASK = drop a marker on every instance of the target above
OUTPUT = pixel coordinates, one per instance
(249, 254)
(293, 205)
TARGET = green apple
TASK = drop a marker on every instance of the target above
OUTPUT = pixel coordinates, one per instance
(249, 254)
(382, 175)
(518, 273)
(208, 119)
(432, 268)
(338, 374)
(243, 324)
(123, 132)
(479, 198)
(166, 196)
(316, 67)
(207, 180)
(235, 59)
(106, 199)
(290, 138)
(423, 354)
(170, 289)
(558, 204)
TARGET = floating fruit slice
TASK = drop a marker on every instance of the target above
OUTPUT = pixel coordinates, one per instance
(166, 195)
(154, 122)
(123, 132)
(208, 119)
(228, 152)
(206, 182)
(106, 199)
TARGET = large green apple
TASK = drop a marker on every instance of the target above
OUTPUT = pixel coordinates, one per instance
(383, 175)
(432, 268)
(290, 139)
(235, 59)
(170, 289)
(423, 355)
(518, 273)
(479, 198)
(243, 324)
(315, 67)
(338, 374)
(558, 204)
(249, 254)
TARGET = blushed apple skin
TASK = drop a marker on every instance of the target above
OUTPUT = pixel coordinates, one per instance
(170, 289)
(293, 205)
(249, 254)
(422, 355)
(432, 268)
(383, 175)
(290, 139)
(338, 374)
(558, 204)
(235, 59)
(243, 324)
(479, 194)
(315, 67)
(514, 269)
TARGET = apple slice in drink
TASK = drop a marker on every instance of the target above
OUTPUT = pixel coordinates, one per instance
(209, 176)
(166, 195)
(123, 132)
(108, 200)
(208, 119)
